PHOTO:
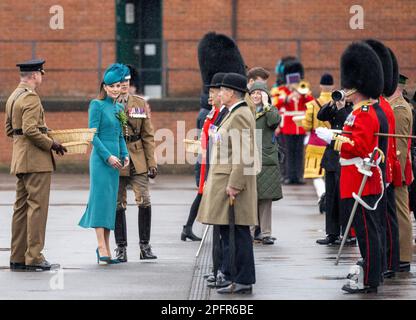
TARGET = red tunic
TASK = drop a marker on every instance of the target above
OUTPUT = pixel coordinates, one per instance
(210, 119)
(363, 123)
(289, 109)
(393, 169)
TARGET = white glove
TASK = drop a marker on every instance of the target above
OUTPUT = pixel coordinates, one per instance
(324, 134)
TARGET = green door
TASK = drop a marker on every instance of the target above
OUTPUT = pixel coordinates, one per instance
(139, 41)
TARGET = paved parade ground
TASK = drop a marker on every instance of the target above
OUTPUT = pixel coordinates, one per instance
(294, 268)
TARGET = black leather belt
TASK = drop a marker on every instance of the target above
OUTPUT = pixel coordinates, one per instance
(133, 138)
(19, 132)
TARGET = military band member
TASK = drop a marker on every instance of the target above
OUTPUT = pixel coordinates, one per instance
(139, 137)
(32, 163)
(316, 147)
(292, 102)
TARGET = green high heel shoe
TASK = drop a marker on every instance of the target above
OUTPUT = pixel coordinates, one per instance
(103, 258)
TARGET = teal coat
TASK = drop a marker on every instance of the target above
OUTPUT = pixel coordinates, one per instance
(268, 180)
(108, 140)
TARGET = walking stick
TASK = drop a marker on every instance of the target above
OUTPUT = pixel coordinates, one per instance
(231, 220)
(202, 241)
(354, 208)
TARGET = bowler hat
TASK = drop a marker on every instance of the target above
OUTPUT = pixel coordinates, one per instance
(235, 81)
(216, 80)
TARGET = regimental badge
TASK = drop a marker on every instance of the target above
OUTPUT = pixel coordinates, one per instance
(350, 120)
(137, 113)
(211, 114)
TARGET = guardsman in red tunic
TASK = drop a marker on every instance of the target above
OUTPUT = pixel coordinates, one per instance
(392, 174)
(291, 102)
(362, 77)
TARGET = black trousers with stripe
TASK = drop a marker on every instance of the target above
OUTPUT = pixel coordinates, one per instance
(366, 225)
(392, 232)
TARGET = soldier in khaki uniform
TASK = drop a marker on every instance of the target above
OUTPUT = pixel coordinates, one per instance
(32, 163)
(404, 123)
(139, 137)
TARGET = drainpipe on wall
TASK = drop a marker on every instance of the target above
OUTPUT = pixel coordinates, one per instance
(234, 5)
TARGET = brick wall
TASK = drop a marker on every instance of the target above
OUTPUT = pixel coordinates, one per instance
(71, 54)
(70, 120)
(316, 30)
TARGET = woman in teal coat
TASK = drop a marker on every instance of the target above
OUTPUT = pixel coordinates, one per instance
(108, 148)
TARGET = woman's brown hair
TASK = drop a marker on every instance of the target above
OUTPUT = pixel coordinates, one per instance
(102, 94)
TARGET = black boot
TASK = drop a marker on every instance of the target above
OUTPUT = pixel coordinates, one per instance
(120, 231)
(145, 219)
(188, 234)
(121, 254)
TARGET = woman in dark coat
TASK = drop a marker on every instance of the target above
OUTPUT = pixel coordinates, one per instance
(268, 180)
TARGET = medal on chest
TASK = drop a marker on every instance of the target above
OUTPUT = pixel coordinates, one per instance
(350, 120)
(214, 134)
(137, 113)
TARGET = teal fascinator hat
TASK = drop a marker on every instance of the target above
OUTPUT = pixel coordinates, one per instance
(114, 73)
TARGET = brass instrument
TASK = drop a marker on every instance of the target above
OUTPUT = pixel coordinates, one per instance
(303, 87)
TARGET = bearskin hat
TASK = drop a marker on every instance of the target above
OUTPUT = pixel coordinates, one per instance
(293, 66)
(361, 69)
(218, 53)
(134, 80)
(280, 68)
(395, 81)
(385, 58)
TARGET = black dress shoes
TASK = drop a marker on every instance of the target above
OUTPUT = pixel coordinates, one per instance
(351, 241)
(389, 274)
(404, 266)
(220, 283)
(121, 254)
(43, 266)
(330, 239)
(17, 266)
(268, 240)
(367, 289)
(236, 288)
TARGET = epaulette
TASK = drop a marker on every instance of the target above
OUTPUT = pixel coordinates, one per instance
(137, 96)
(365, 108)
